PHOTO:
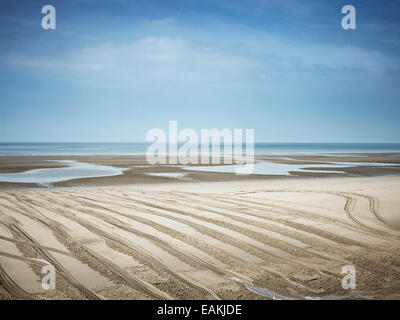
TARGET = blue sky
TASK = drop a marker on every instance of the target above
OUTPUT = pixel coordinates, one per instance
(112, 70)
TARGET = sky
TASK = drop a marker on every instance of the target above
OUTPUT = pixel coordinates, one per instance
(114, 69)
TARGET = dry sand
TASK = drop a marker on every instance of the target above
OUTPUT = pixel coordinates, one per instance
(259, 239)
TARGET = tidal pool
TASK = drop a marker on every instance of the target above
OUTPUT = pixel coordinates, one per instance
(272, 168)
(74, 170)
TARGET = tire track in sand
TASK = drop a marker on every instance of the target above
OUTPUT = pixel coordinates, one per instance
(89, 204)
(318, 218)
(12, 287)
(267, 269)
(373, 207)
(130, 279)
(289, 261)
(351, 201)
(65, 273)
(151, 260)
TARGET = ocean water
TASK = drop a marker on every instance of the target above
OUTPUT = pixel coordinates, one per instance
(140, 148)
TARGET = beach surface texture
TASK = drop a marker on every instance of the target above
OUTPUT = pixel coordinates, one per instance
(222, 237)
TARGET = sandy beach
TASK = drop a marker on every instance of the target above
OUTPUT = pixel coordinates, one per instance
(137, 236)
(138, 171)
(165, 152)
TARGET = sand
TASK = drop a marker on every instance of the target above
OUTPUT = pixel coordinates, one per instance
(139, 172)
(235, 239)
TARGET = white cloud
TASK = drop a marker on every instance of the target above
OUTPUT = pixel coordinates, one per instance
(145, 61)
(167, 61)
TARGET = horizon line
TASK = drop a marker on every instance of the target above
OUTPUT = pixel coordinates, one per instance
(149, 142)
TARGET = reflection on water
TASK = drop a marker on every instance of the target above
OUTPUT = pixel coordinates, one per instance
(77, 170)
(172, 175)
(74, 170)
(351, 294)
(282, 169)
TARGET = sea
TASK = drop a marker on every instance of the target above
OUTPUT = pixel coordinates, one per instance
(139, 148)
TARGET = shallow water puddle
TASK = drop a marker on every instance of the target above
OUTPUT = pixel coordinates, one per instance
(352, 294)
(74, 170)
(283, 169)
(172, 175)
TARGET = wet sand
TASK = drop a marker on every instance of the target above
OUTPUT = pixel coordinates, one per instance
(138, 169)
